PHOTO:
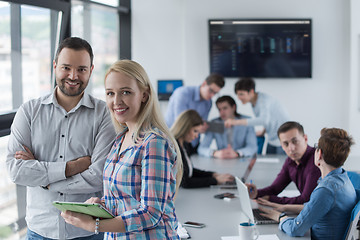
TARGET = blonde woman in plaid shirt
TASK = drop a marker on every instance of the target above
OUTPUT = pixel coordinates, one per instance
(143, 169)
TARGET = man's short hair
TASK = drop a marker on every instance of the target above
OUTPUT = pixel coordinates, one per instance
(245, 84)
(77, 44)
(335, 146)
(290, 125)
(229, 100)
(215, 78)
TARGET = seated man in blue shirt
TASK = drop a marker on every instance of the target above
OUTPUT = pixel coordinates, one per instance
(237, 141)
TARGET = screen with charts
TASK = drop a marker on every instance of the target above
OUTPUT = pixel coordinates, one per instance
(167, 87)
(262, 48)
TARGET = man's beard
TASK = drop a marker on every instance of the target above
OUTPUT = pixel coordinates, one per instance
(63, 89)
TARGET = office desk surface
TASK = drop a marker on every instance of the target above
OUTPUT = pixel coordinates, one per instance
(222, 217)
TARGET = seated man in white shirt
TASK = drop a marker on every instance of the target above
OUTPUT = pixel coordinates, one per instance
(234, 142)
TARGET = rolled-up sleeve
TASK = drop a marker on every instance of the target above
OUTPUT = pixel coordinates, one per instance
(319, 205)
(34, 127)
(29, 172)
(157, 183)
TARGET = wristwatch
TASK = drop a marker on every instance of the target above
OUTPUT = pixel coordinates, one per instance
(281, 215)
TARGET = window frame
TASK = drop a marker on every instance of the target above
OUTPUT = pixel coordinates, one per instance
(57, 6)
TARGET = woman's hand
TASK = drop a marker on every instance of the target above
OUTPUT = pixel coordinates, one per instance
(80, 220)
(252, 189)
(270, 213)
(275, 206)
(95, 200)
(223, 178)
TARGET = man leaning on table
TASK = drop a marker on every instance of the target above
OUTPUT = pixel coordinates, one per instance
(298, 168)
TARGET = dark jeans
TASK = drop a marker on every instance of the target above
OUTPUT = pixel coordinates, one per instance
(260, 143)
(34, 236)
(274, 150)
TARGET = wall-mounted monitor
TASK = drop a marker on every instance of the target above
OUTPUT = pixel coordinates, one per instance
(166, 88)
(260, 48)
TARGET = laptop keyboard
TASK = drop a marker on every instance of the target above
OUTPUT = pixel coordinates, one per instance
(259, 219)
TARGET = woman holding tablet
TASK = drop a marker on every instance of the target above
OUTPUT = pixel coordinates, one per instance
(328, 212)
(143, 169)
(186, 128)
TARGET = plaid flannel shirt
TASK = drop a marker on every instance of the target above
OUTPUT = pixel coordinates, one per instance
(139, 186)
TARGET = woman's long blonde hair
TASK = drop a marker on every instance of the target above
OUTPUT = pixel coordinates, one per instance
(150, 116)
(184, 122)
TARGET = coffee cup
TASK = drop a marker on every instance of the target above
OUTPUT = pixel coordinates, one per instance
(248, 231)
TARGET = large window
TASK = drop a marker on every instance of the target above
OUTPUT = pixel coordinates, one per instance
(8, 206)
(36, 52)
(108, 2)
(5, 58)
(100, 26)
(29, 34)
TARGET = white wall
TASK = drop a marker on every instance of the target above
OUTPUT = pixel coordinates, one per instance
(170, 39)
(354, 111)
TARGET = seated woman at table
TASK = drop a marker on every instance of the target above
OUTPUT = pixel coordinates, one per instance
(328, 212)
(185, 129)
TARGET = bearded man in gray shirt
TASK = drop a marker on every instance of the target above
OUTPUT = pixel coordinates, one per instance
(59, 143)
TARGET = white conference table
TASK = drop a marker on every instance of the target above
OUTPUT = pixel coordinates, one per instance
(222, 217)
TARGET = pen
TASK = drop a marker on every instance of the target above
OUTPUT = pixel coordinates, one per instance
(251, 189)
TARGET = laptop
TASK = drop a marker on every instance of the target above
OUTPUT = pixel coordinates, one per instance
(249, 168)
(252, 214)
(245, 175)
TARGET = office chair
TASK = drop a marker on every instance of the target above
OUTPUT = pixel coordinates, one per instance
(354, 178)
(355, 214)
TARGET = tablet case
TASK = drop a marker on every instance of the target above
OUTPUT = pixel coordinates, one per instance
(216, 127)
(93, 209)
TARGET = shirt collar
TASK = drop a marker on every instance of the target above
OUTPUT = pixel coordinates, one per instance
(305, 158)
(197, 94)
(121, 134)
(333, 172)
(84, 101)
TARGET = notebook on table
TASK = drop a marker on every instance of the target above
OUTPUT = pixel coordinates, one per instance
(245, 203)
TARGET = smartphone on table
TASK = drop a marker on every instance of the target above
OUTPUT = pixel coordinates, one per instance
(193, 224)
(225, 195)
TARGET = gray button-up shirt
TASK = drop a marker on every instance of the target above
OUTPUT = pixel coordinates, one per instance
(55, 137)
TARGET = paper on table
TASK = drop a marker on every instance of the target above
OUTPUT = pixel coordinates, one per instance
(268, 237)
(261, 237)
(268, 160)
(182, 232)
(289, 193)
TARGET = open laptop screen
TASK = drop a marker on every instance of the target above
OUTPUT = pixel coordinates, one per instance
(244, 200)
(249, 168)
